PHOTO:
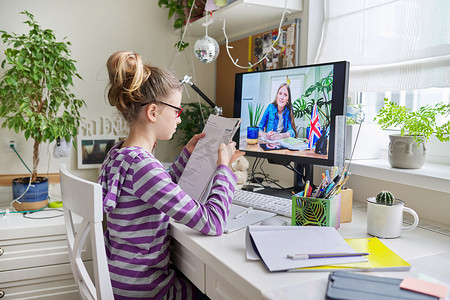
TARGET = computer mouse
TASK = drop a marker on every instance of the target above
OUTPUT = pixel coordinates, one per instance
(275, 221)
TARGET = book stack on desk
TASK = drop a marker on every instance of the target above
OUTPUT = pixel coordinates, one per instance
(283, 248)
(305, 248)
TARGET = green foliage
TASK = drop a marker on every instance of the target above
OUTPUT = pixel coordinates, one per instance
(385, 197)
(421, 123)
(303, 106)
(255, 115)
(177, 10)
(34, 90)
(191, 121)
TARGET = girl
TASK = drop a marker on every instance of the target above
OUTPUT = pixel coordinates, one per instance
(277, 121)
(140, 197)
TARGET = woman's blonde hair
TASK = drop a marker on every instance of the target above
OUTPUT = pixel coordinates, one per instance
(133, 83)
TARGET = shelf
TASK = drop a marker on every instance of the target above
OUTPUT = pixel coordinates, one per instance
(243, 17)
(431, 176)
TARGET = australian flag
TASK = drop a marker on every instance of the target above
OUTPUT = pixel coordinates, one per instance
(314, 131)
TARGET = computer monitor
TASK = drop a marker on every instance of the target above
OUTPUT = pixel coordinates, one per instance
(297, 121)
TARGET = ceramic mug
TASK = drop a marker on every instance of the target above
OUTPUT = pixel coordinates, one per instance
(386, 221)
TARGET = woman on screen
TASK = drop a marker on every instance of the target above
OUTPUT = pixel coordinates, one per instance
(277, 121)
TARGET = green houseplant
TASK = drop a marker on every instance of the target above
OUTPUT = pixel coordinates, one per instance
(318, 93)
(253, 129)
(192, 121)
(416, 127)
(180, 10)
(34, 90)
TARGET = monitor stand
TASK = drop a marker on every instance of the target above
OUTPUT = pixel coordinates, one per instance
(302, 173)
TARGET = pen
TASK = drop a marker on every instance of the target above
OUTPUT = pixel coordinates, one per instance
(305, 193)
(242, 213)
(324, 255)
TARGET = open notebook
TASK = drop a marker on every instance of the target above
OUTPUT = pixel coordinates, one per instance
(273, 244)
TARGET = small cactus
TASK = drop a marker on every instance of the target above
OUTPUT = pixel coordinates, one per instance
(385, 197)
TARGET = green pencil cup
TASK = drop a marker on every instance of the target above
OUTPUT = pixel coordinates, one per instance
(307, 211)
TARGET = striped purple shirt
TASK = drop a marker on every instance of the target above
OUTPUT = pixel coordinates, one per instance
(139, 197)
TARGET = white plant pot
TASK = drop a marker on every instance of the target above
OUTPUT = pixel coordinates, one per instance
(405, 153)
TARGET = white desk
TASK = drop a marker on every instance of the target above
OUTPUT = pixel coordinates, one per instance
(218, 266)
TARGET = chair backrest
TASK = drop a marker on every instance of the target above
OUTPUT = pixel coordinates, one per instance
(84, 198)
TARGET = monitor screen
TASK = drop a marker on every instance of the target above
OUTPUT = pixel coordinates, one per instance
(289, 114)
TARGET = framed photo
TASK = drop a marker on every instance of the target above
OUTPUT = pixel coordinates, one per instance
(91, 150)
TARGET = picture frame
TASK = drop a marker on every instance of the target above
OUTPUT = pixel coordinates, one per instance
(92, 150)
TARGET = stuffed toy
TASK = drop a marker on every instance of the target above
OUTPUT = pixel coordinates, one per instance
(239, 168)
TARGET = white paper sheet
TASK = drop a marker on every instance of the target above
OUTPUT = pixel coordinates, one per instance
(203, 161)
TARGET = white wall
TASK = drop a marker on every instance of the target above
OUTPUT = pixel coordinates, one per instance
(96, 29)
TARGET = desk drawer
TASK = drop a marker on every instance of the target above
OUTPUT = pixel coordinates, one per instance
(51, 283)
(219, 288)
(36, 252)
(191, 266)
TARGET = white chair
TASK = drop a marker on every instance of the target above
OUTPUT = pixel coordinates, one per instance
(84, 198)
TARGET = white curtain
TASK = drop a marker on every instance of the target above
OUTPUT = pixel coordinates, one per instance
(391, 45)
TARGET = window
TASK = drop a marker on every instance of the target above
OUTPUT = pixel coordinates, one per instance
(398, 49)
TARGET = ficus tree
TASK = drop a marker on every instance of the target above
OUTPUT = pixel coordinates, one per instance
(35, 95)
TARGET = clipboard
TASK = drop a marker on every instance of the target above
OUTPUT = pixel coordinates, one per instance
(354, 286)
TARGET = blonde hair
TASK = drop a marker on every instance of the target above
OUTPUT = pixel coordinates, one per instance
(133, 83)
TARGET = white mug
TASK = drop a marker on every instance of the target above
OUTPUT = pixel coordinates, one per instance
(386, 221)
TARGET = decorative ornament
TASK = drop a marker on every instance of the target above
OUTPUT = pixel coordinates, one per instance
(206, 49)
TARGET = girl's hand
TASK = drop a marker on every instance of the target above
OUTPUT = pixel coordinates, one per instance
(193, 141)
(225, 153)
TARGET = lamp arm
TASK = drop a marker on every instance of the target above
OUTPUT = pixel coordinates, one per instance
(187, 79)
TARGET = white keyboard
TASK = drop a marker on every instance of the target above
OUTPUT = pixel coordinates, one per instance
(278, 205)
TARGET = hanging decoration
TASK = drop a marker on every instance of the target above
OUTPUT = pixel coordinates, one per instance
(206, 49)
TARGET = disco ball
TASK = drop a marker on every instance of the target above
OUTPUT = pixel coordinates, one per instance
(206, 49)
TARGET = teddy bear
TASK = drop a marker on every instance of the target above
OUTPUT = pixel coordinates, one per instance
(239, 168)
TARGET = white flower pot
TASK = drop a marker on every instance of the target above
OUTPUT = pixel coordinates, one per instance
(405, 153)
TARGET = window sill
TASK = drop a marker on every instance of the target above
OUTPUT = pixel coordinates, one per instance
(433, 176)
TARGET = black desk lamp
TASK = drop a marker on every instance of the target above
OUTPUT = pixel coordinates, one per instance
(187, 79)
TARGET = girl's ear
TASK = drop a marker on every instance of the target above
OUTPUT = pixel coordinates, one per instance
(151, 112)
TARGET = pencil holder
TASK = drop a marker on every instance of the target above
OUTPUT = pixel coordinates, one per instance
(308, 211)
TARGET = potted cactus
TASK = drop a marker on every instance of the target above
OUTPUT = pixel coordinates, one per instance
(385, 216)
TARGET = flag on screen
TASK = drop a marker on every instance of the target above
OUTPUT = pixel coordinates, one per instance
(314, 131)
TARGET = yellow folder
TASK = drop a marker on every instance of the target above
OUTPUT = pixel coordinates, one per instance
(380, 257)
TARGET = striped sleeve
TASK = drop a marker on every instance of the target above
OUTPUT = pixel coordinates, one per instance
(154, 185)
(177, 168)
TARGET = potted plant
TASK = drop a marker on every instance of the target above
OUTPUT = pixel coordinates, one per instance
(253, 129)
(35, 99)
(318, 93)
(192, 121)
(180, 10)
(385, 216)
(407, 149)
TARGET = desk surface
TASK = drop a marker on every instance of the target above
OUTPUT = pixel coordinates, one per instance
(427, 251)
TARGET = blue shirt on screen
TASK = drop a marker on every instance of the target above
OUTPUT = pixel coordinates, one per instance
(269, 120)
